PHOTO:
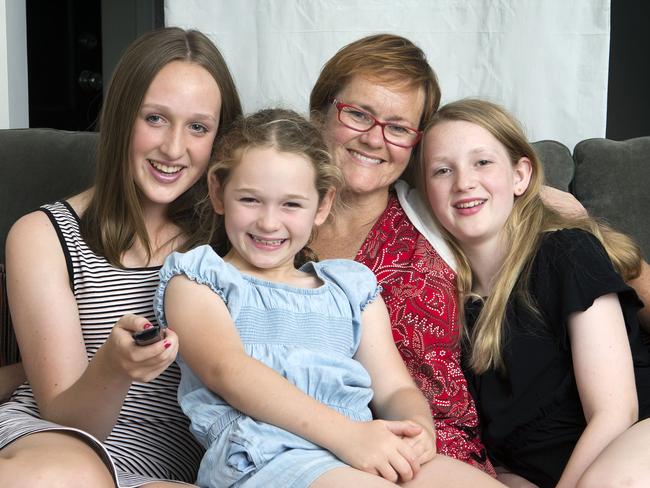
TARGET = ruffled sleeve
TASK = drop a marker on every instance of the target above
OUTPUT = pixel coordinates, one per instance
(356, 280)
(205, 267)
(579, 272)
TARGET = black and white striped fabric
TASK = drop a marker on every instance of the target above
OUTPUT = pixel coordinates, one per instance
(151, 440)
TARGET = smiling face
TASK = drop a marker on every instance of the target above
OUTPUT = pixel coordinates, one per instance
(173, 132)
(370, 164)
(471, 182)
(270, 205)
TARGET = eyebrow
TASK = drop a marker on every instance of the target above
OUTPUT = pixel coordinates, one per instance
(290, 196)
(483, 149)
(390, 118)
(164, 108)
(473, 152)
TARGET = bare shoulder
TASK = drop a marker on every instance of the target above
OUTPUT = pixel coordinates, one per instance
(36, 229)
(33, 226)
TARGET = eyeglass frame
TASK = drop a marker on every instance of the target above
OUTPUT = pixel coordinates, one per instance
(341, 105)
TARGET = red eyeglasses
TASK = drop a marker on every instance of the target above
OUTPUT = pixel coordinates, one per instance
(361, 121)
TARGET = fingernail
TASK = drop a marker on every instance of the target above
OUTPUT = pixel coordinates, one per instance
(167, 344)
(147, 326)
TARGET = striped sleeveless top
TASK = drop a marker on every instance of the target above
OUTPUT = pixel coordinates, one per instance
(151, 439)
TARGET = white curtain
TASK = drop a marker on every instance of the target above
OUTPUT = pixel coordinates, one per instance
(545, 60)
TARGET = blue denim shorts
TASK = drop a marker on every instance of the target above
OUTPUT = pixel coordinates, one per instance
(248, 453)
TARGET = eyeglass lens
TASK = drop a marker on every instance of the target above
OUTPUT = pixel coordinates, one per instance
(362, 121)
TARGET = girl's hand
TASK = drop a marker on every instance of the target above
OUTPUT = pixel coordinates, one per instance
(422, 441)
(377, 447)
(138, 363)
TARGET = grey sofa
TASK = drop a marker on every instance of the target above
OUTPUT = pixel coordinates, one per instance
(42, 165)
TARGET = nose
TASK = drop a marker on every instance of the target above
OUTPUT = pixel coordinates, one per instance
(465, 179)
(173, 144)
(373, 137)
(267, 220)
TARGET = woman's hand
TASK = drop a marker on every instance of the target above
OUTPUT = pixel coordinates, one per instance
(379, 447)
(562, 202)
(138, 363)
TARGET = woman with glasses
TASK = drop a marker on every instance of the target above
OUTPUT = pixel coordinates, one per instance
(372, 99)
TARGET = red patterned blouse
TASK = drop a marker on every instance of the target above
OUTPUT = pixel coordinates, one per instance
(418, 288)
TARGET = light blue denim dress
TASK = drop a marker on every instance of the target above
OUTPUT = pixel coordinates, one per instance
(307, 335)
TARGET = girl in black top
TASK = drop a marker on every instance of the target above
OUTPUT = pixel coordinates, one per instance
(552, 350)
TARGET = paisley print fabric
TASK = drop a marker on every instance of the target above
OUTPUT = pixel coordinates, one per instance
(418, 288)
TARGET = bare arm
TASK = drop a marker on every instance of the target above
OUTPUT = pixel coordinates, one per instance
(396, 397)
(66, 385)
(562, 202)
(601, 356)
(211, 346)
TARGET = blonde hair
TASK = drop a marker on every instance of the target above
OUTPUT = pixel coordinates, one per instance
(280, 129)
(523, 230)
(113, 221)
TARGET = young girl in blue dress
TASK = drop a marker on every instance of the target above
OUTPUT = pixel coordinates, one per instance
(552, 351)
(285, 360)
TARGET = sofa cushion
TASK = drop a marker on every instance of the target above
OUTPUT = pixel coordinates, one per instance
(38, 166)
(612, 181)
(557, 162)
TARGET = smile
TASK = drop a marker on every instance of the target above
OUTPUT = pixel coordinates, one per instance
(364, 158)
(163, 168)
(470, 204)
(267, 242)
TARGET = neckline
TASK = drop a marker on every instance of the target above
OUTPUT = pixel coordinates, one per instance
(285, 286)
(74, 214)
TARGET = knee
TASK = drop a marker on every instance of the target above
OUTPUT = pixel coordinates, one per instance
(23, 469)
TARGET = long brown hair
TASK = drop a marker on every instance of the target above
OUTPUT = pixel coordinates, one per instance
(529, 220)
(113, 221)
(280, 129)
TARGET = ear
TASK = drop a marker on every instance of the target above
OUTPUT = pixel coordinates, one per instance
(324, 207)
(523, 171)
(215, 191)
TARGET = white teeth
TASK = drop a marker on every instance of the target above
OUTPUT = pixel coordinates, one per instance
(469, 204)
(275, 242)
(164, 168)
(365, 158)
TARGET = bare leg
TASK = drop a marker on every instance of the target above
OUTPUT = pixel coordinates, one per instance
(443, 471)
(52, 460)
(624, 462)
(512, 480)
(350, 477)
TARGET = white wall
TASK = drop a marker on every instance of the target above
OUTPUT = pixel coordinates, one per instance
(14, 107)
(546, 61)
